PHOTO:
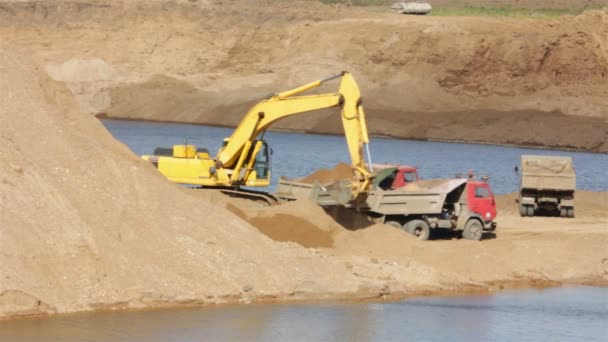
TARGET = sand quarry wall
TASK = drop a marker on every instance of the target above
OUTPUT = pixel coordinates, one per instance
(482, 79)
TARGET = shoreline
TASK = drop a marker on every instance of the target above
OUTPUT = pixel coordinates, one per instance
(102, 117)
(484, 289)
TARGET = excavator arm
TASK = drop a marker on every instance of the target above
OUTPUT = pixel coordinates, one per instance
(285, 104)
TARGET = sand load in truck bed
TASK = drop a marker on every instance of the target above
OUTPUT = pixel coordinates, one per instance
(341, 171)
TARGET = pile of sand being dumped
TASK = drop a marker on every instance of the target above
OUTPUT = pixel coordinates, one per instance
(87, 225)
(340, 172)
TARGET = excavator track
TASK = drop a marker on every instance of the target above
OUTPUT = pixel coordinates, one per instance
(253, 195)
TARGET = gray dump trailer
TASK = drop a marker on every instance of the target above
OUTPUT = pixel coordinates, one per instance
(547, 186)
(416, 208)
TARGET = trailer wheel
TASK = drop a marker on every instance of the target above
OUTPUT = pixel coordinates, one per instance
(523, 210)
(473, 230)
(419, 228)
(570, 212)
(530, 210)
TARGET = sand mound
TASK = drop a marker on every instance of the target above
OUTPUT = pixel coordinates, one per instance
(301, 221)
(283, 228)
(340, 172)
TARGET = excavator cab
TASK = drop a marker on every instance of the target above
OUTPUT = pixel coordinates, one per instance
(259, 175)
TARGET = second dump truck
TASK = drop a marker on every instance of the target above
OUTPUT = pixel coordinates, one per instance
(547, 185)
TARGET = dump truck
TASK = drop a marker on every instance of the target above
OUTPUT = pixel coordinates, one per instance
(464, 204)
(547, 185)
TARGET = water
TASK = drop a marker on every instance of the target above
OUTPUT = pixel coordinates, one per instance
(558, 314)
(297, 155)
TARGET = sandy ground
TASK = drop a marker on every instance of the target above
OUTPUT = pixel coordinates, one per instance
(87, 225)
(479, 79)
(537, 251)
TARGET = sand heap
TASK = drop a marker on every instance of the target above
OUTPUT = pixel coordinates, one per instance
(341, 171)
(88, 225)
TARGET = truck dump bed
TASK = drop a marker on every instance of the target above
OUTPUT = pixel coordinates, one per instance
(547, 173)
(421, 197)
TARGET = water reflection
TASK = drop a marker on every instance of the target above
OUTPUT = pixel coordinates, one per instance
(559, 314)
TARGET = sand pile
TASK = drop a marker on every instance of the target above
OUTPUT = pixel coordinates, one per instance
(339, 172)
(302, 222)
(88, 225)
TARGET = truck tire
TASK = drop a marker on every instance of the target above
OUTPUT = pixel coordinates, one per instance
(530, 210)
(570, 212)
(419, 228)
(473, 230)
(563, 212)
(523, 210)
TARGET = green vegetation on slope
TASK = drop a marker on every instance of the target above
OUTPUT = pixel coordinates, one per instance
(457, 9)
(537, 13)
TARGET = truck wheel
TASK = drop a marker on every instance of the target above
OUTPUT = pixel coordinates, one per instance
(523, 210)
(473, 230)
(394, 224)
(419, 229)
(530, 210)
(570, 212)
(563, 212)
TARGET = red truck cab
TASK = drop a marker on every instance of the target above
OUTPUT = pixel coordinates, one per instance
(403, 175)
(481, 200)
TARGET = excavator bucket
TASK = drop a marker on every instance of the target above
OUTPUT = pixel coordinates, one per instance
(340, 192)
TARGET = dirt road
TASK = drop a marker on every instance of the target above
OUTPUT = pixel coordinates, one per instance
(479, 79)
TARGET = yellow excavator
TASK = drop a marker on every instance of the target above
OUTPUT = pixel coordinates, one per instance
(244, 158)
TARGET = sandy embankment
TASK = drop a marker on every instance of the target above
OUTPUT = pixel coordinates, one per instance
(479, 79)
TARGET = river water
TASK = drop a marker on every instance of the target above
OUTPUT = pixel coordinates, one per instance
(557, 314)
(297, 155)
